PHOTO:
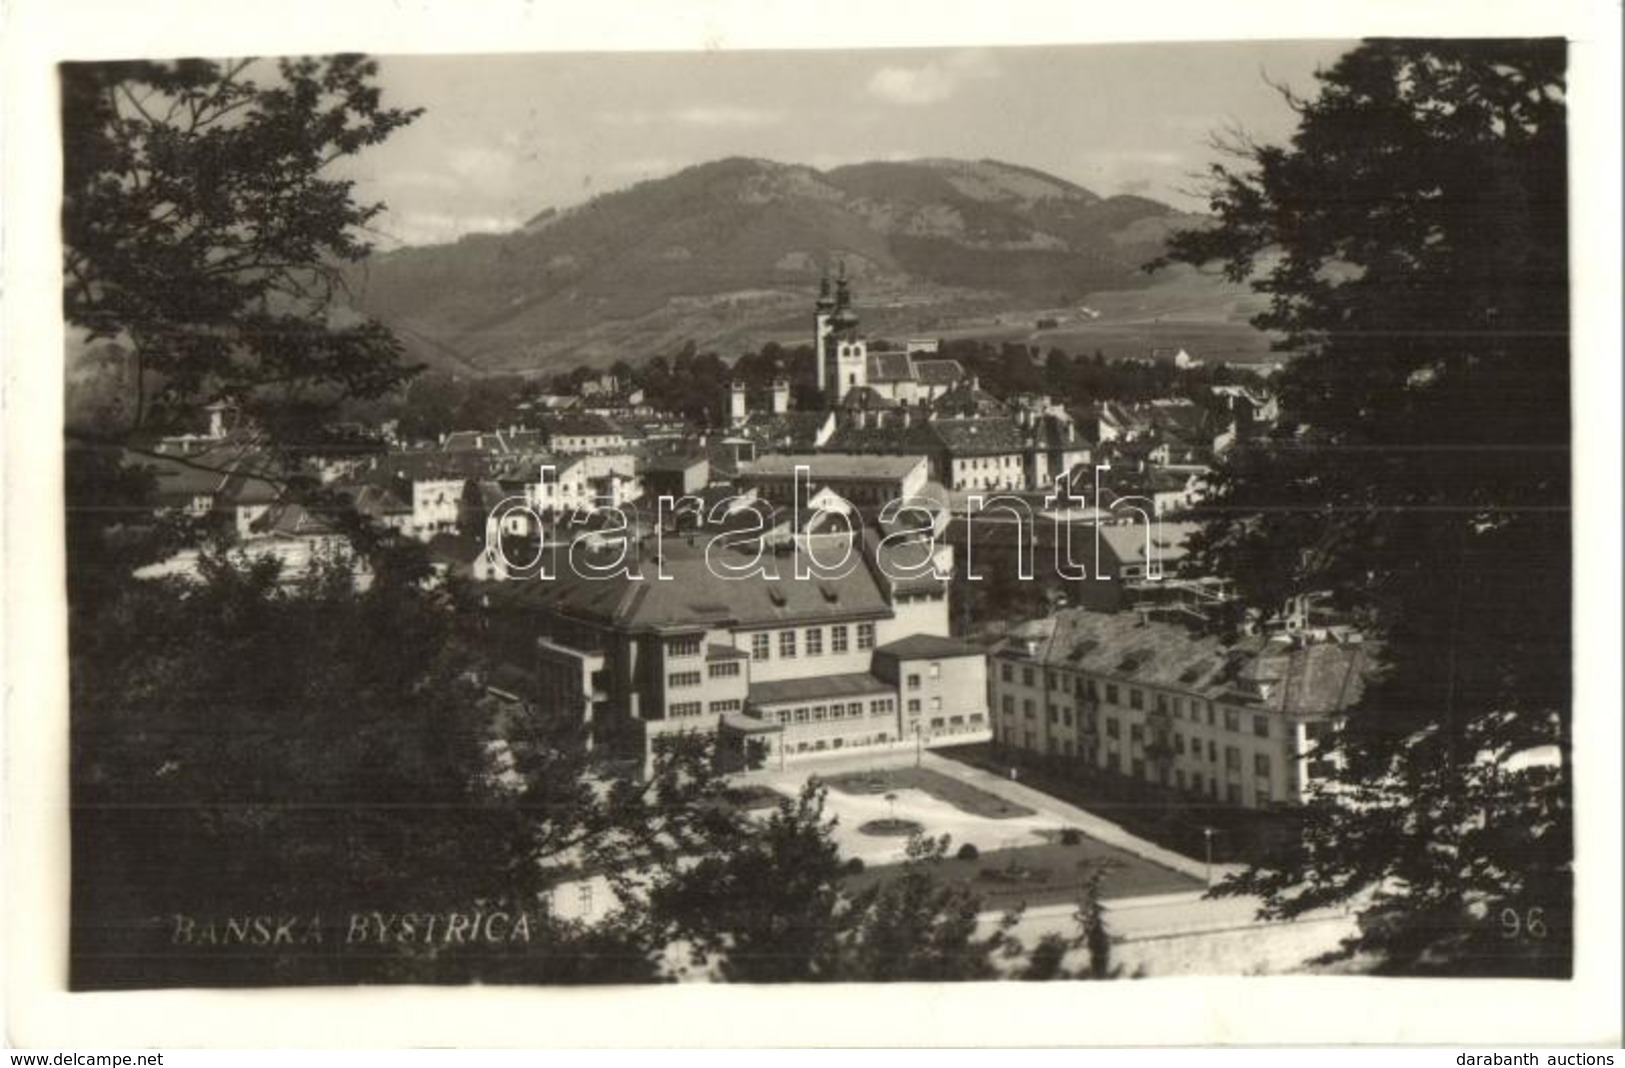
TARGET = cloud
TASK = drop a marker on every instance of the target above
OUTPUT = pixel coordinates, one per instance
(708, 116)
(933, 82)
(1134, 185)
(727, 115)
(438, 227)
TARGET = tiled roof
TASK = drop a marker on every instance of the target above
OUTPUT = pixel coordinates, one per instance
(579, 424)
(979, 437)
(822, 466)
(795, 430)
(817, 687)
(926, 646)
(292, 521)
(700, 596)
(890, 367)
(917, 439)
(938, 372)
(967, 400)
(864, 399)
(377, 501)
(428, 466)
(1168, 540)
(1270, 673)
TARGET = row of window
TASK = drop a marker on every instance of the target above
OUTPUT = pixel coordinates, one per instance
(1138, 769)
(810, 641)
(1165, 704)
(883, 706)
(680, 709)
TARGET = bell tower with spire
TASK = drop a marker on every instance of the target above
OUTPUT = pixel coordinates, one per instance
(843, 357)
(821, 329)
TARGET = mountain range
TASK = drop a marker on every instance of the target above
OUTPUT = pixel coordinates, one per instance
(729, 254)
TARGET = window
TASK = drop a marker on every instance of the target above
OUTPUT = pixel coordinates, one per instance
(727, 669)
(815, 641)
(1232, 720)
(883, 706)
(685, 708)
(913, 705)
(819, 713)
(1261, 764)
(1026, 676)
(1007, 673)
(914, 682)
(1179, 743)
(1111, 693)
(760, 646)
(787, 645)
(1054, 714)
(935, 669)
(1179, 708)
(733, 705)
(1137, 768)
(936, 704)
(683, 678)
(1261, 726)
(1066, 717)
(1232, 793)
(837, 639)
(866, 635)
(1050, 681)
(855, 709)
(1136, 699)
(1162, 703)
(1232, 758)
(1114, 762)
(1027, 710)
(1113, 729)
(1008, 703)
(1212, 752)
(1209, 714)
(800, 715)
(683, 647)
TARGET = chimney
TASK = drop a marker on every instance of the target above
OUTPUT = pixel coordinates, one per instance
(904, 415)
(781, 396)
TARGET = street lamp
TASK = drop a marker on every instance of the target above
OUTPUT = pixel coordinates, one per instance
(1207, 838)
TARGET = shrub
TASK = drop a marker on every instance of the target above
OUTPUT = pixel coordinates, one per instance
(968, 852)
(854, 865)
(1071, 836)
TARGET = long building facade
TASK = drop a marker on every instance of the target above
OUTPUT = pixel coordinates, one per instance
(1161, 703)
(777, 667)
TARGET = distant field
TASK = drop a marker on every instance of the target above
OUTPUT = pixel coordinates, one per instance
(1209, 342)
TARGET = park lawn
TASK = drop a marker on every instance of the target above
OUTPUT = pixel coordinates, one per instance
(1064, 868)
(963, 796)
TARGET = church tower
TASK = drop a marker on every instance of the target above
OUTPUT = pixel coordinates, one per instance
(842, 355)
(821, 316)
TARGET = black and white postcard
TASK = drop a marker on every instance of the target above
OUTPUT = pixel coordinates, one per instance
(980, 533)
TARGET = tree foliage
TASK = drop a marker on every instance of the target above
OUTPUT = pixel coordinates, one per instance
(203, 230)
(1412, 238)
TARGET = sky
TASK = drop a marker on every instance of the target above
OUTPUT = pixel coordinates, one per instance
(504, 137)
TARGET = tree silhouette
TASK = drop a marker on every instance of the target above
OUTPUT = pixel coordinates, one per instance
(1412, 239)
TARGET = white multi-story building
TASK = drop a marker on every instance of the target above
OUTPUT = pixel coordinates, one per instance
(1163, 704)
(775, 666)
